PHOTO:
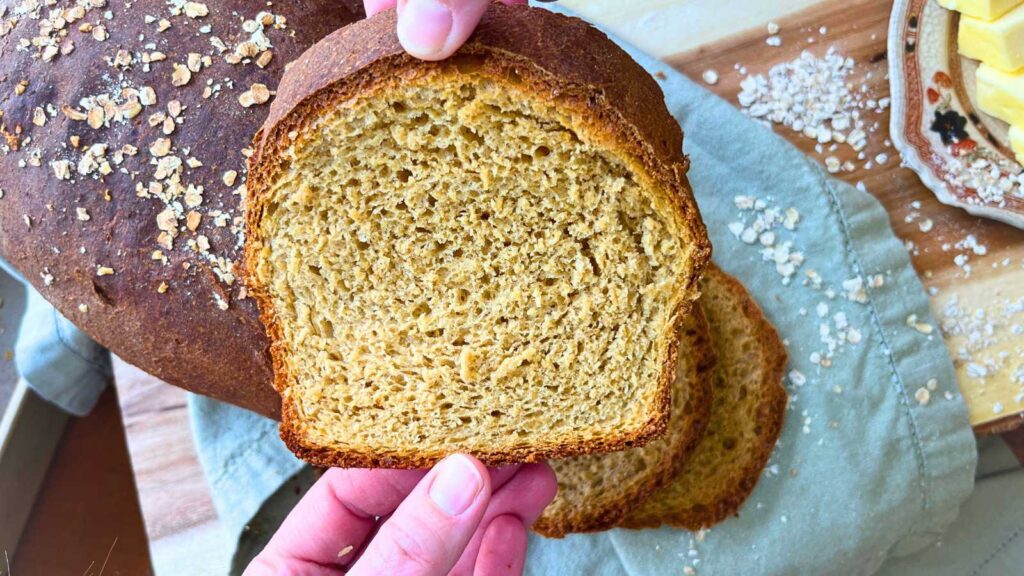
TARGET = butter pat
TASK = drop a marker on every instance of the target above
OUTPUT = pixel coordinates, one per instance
(983, 9)
(999, 43)
(1001, 94)
(1017, 143)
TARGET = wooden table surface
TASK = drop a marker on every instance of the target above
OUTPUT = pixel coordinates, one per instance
(86, 520)
(185, 535)
(180, 519)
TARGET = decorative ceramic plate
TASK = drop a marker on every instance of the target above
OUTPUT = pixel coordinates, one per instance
(961, 154)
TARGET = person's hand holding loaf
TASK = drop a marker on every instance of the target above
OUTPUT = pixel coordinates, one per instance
(459, 518)
(434, 29)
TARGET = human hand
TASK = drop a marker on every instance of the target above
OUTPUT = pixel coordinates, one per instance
(434, 29)
(458, 518)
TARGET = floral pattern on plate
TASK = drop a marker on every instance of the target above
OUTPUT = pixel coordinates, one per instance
(960, 153)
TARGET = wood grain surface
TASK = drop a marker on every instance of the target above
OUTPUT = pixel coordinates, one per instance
(185, 535)
(86, 520)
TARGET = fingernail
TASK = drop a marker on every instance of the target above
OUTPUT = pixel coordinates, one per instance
(456, 484)
(424, 26)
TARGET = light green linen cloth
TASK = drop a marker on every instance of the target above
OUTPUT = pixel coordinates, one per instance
(863, 471)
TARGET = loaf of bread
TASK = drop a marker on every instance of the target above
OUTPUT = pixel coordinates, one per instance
(491, 254)
(595, 492)
(746, 415)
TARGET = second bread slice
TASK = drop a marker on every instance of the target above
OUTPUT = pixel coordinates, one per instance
(746, 415)
(595, 492)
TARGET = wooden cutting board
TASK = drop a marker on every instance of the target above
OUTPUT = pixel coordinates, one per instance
(683, 34)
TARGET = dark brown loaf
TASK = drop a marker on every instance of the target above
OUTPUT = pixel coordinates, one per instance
(180, 336)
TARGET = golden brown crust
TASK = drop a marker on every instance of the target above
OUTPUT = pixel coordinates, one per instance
(606, 515)
(619, 101)
(771, 417)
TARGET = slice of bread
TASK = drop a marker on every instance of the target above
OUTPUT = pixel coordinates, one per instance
(596, 491)
(746, 415)
(488, 254)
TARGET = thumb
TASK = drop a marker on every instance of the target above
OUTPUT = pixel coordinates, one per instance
(428, 532)
(435, 29)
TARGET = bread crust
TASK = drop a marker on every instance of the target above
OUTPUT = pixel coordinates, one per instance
(606, 515)
(770, 415)
(623, 105)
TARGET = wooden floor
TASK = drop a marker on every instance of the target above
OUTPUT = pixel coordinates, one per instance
(86, 520)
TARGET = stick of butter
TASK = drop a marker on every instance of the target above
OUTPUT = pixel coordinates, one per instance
(999, 43)
(983, 9)
(1017, 143)
(1001, 94)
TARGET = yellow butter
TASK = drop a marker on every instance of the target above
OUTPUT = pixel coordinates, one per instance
(1001, 94)
(983, 9)
(1017, 142)
(999, 43)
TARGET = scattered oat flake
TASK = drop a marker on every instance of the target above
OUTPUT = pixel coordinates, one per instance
(192, 220)
(196, 9)
(96, 117)
(922, 327)
(264, 59)
(797, 377)
(194, 62)
(160, 147)
(220, 302)
(104, 271)
(255, 95)
(922, 396)
(61, 169)
(181, 75)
